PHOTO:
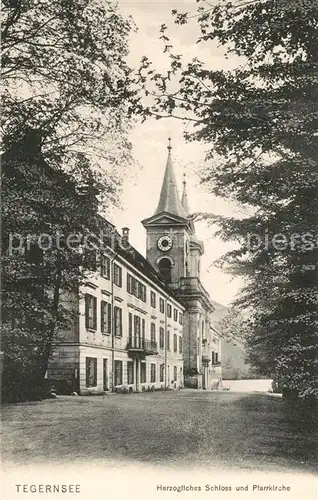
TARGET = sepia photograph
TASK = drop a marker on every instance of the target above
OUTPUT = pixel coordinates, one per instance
(159, 263)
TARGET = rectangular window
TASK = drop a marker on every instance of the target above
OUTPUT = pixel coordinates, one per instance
(175, 374)
(180, 318)
(118, 372)
(180, 345)
(138, 289)
(130, 327)
(118, 321)
(130, 372)
(213, 359)
(135, 287)
(91, 372)
(153, 299)
(175, 314)
(168, 341)
(169, 310)
(216, 358)
(105, 267)
(162, 373)
(117, 278)
(175, 342)
(161, 338)
(143, 328)
(153, 333)
(153, 373)
(137, 326)
(129, 283)
(105, 317)
(143, 293)
(90, 312)
(143, 377)
(162, 305)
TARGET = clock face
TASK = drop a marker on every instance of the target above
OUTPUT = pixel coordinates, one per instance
(164, 243)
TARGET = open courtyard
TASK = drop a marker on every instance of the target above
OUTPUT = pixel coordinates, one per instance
(218, 430)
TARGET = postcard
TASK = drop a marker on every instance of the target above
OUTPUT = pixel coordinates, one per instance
(159, 240)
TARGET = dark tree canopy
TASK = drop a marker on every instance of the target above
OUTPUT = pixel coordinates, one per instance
(259, 123)
(65, 74)
(66, 114)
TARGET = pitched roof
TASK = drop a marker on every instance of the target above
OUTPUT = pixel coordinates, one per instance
(131, 255)
(184, 199)
(169, 200)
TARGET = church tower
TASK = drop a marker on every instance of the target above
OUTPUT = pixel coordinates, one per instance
(169, 231)
(174, 251)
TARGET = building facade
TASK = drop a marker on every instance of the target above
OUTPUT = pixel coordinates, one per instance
(128, 335)
(143, 323)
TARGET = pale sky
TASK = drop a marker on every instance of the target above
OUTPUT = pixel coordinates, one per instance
(142, 187)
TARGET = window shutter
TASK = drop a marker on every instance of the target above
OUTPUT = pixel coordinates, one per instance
(94, 304)
(95, 371)
(107, 268)
(143, 328)
(102, 316)
(109, 318)
(130, 326)
(120, 276)
(115, 320)
(87, 311)
(120, 321)
(87, 372)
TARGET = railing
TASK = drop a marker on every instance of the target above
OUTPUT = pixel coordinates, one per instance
(145, 346)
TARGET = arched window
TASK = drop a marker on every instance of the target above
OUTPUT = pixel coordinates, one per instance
(165, 269)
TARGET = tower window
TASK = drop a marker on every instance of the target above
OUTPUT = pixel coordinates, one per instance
(165, 269)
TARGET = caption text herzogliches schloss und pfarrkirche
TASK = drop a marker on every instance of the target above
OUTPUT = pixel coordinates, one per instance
(223, 487)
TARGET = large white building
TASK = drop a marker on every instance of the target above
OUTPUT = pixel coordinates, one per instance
(143, 323)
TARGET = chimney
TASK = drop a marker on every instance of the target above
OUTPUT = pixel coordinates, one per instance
(125, 236)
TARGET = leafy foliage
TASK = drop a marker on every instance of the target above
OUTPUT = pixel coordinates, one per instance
(42, 272)
(259, 121)
(66, 113)
(64, 74)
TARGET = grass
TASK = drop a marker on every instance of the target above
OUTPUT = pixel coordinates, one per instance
(175, 428)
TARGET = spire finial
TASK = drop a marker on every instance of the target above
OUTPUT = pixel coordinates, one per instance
(184, 199)
(169, 147)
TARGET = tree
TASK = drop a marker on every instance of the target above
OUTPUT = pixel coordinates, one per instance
(66, 114)
(45, 220)
(65, 74)
(259, 121)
